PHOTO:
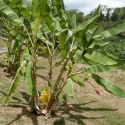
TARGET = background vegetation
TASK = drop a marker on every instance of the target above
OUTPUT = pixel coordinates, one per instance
(109, 18)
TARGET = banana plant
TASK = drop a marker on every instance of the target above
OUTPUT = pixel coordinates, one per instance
(46, 31)
(71, 46)
(27, 20)
(78, 45)
(30, 22)
(14, 48)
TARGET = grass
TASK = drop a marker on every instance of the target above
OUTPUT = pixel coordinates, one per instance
(113, 118)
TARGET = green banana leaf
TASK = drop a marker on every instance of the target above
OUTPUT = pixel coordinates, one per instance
(98, 68)
(63, 41)
(73, 21)
(38, 7)
(89, 34)
(110, 32)
(50, 86)
(97, 45)
(114, 31)
(18, 35)
(87, 39)
(76, 80)
(26, 55)
(97, 11)
(47, 16)
(82, 28)
(60, 9)
(10, 13)
(16, 82)
(109, 86)
(29, 79)
(29, 4)
(100, 58)
(69, 87)
(16, 46)
(22, 8)
(34, 7)
(33, 26)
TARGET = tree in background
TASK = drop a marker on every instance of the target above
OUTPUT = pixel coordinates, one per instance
(107, 18)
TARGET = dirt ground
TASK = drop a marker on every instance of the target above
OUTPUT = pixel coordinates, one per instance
(86, 108)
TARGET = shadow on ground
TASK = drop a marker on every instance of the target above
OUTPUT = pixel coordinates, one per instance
(25, 111)
(2, 65)
(41, 76)
(72, 113)
(14, 98)
(40, 67)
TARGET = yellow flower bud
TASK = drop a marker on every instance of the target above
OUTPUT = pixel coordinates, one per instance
(44, 95)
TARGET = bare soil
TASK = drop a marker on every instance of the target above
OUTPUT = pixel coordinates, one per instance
(86, 108)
